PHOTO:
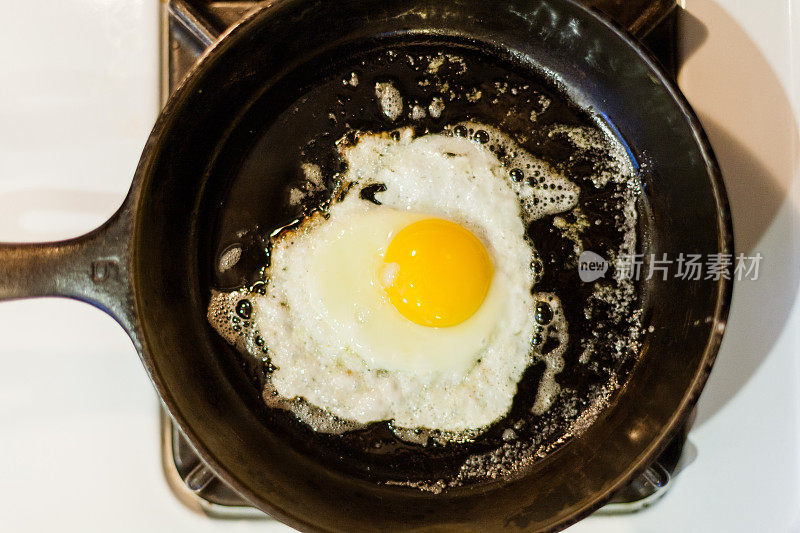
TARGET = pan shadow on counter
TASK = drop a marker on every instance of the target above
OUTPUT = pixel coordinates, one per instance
(749, 120)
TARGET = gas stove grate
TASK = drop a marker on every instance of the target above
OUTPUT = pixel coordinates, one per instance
(188, 28)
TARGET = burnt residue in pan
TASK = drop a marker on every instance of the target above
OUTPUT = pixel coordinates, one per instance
(441, 85)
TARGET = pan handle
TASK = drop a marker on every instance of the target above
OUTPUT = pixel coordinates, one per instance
(93, 268)
(640, 17)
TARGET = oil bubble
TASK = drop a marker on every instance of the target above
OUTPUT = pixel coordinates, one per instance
(244, 308)
(543, 313)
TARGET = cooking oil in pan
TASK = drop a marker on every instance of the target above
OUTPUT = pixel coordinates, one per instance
(463, 92)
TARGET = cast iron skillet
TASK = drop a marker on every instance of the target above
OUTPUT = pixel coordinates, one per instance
(143, 266)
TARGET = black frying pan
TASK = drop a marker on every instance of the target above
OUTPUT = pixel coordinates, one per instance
(149, 266)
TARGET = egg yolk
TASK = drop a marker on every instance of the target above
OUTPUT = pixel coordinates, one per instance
(436, 272)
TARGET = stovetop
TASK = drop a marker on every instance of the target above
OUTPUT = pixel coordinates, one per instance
(188, 27)
(80, 448)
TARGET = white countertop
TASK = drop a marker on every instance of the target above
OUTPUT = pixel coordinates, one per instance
(79, 440)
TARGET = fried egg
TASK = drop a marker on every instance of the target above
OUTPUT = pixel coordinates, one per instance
(415, 306)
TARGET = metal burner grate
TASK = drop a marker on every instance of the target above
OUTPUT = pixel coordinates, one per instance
(188, 28)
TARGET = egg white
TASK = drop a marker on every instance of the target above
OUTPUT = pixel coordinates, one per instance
(334, 337)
